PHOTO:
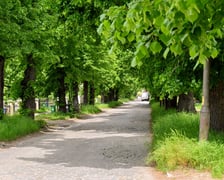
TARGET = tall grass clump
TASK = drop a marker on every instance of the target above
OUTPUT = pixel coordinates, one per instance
(114, 104)
(111, 104)
(89, 109)
(12, 127)
(53, 116)
(175, 143)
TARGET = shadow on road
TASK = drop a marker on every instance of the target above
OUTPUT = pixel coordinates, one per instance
(117, 138)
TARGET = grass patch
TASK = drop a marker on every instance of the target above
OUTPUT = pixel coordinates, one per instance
(89, 109)
(114, 104)
(53, 116)
(42, 110)
(102, 105)
(125, 99)
(175, 143)
(12, 127)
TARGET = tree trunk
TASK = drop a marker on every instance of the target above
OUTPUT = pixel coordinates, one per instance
(86, 92)
(75, 97)
(2, 63)
(162, 103)
(216, 102)
(28, 95)
(111, 94)
(92, 94)
(104, 98)
(61, 90)
(116, 94)
(186, 103)
(171, 103)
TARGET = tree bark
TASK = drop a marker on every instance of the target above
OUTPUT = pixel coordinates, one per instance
(92, 94)
(104, 98)
(116, 94)
(205, 110)
(216, 102)
(75, 97)
(86, 92)
(28, 95)
(171, 103)
(2, 63)
(186, 103)
(61, 90)
(113, 94)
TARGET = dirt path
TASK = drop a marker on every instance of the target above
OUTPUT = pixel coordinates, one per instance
(109, 146)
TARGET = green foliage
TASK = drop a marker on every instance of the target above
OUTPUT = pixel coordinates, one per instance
(1, 114)
(165, 122)
(161, 30)
(175, 143)
(53, 116)
(25, 112)
(13, 127)
(114, 104)
(42, 110)
(102, 105)
(89, 109)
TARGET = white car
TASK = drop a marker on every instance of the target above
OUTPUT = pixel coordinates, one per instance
(145, 96)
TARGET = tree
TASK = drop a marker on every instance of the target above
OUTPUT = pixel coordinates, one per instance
(181, 26)
(8, 33)
(2, 62)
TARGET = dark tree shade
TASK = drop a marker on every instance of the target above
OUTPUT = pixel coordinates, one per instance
(2, 62)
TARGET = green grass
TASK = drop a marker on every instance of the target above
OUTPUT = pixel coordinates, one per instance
(12, 127)
(53, 116)
(102, 105)
(42, 110)
(175, 143)
(85, 109)
(89, 109)
(112, 104)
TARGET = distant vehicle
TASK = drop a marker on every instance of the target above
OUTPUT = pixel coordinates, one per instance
(145, 96)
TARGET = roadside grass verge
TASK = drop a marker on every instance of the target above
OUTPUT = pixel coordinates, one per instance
(89, 109)
(175, 143)
(114, 104)
(84, 109)
(12, 127)
(53, 116)
(111, 104)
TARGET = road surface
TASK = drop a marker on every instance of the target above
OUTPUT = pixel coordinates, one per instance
(111, 145)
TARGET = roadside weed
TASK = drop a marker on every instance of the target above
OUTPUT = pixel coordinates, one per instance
(12, 127)
(89, 109)
(175, 143)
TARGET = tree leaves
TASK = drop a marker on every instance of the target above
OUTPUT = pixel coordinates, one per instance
(194, 51)
(155, 47)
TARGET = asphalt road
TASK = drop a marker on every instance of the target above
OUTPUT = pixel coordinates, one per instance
(111, 145)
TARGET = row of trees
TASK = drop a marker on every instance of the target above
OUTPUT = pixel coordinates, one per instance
(51, 47)
(172, 40)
